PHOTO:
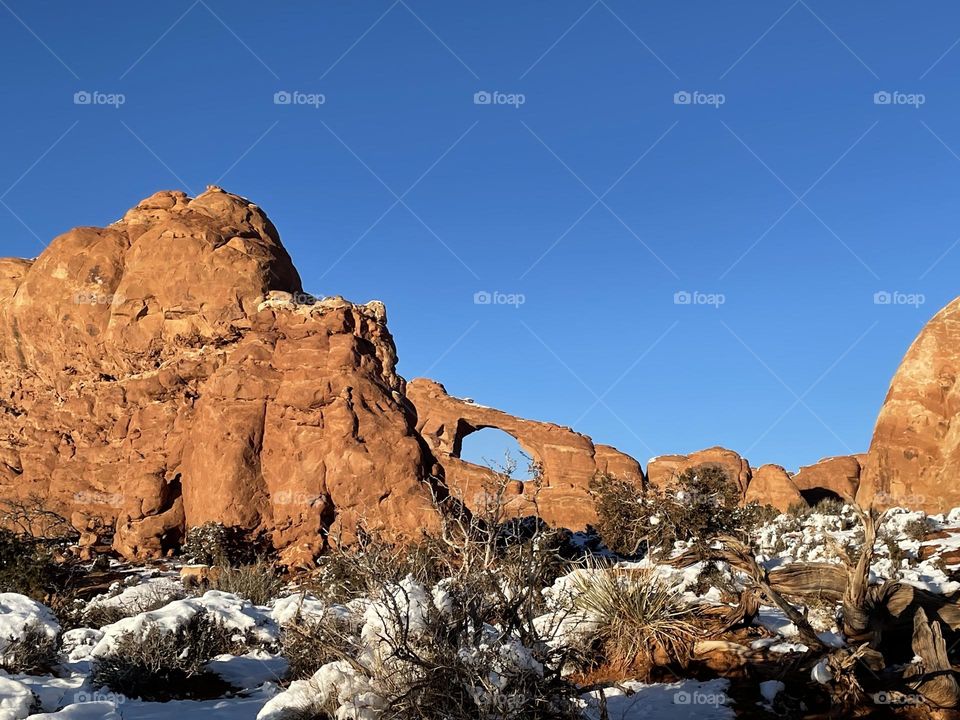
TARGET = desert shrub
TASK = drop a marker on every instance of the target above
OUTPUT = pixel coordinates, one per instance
(310, 644)
(213, 543)
(622, 521)
(257, 582)
(641, 621)
(347, 572)
(97, 615)
(33, 651)
(700, 504)
(27, 567)
(448, 627)
(916, 530)
(159, 665)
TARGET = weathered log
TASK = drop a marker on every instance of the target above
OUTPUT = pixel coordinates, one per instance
(810, 580)
(934, 680)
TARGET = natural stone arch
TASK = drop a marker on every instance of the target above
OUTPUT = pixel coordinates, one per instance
(465, 430)
(568, 460)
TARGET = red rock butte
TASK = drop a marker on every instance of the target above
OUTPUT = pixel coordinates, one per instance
(169, 370)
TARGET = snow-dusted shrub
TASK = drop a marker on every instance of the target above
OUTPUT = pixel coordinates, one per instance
(640, 619)
(28, 634)
(429, 653)
(159, 664)
(698, 505)
(213, 543)
(32, 651)
(310, 643)
(133, 600)
(466, 647)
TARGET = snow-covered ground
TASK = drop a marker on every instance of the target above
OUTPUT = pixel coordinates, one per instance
(159, 601)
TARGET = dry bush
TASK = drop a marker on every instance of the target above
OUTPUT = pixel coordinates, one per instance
(30, 517)
(310, 644)
(257, 582)
(699, 505)
(213, 543)
(34, 652)
(161, 665)
(641, 621)
(467, 650)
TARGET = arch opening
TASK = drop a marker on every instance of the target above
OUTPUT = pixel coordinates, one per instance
(493, 448)
(816, 495)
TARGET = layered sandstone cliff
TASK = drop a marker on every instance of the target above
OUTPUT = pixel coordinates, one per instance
(160, 372)
(914, 456)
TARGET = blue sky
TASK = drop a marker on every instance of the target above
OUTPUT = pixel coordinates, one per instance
(781, 198)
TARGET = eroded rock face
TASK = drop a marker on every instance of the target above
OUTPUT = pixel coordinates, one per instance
(160, 372)
(914, 456)
(568, 460)
(829, 478)
(772, 485)
(662, 470)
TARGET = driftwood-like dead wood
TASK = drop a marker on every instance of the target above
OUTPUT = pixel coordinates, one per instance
(810, 580)
(858, 620)
(718, 620)
(934, 678)
(740, 555)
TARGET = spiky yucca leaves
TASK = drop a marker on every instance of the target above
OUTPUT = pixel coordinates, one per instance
(641, 621)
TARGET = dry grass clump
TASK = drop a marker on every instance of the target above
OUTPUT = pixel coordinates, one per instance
(641, 621)
(257, 582)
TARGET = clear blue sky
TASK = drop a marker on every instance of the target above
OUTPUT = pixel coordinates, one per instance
(796, 199)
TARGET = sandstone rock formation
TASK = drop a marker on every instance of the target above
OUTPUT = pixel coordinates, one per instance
(159, 372)
(914, 456)
(772, 485)
(830, 477)
(662, 470)
(567, 460)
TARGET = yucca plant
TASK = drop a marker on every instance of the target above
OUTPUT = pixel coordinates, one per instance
(641, 622)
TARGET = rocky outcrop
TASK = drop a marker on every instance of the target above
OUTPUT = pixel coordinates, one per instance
(662, 470)
(772, 485)
(567, 460)
(833, 477)
(914, 456)
(167, 370)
